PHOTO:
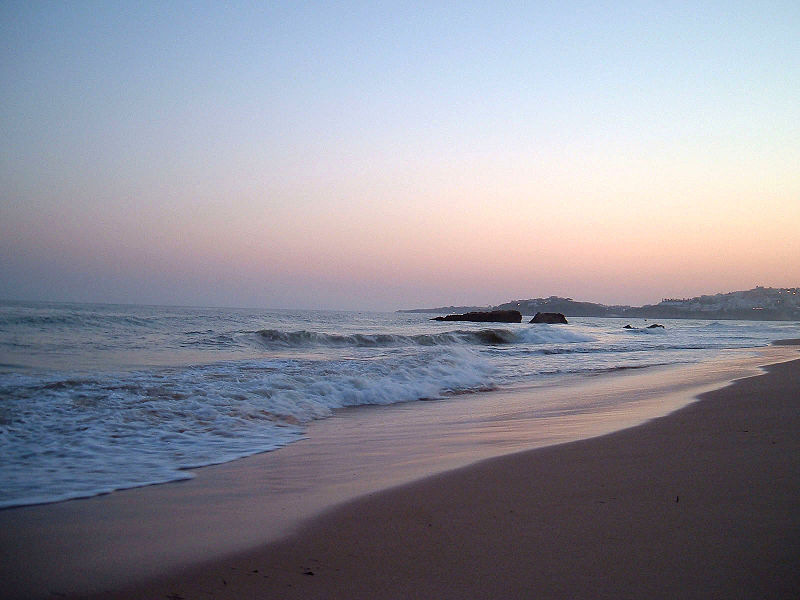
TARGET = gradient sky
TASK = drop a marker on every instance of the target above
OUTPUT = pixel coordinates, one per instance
(379, 155)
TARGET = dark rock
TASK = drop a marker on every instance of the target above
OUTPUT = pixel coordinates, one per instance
(654, 325)
(629, 326)
(541, 317)
(492, 316)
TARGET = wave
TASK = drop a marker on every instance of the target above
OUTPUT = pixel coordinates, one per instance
(645, 331)
(483, 337)
(74, 319)
(546, 334)
(718, 325)
(70, 436)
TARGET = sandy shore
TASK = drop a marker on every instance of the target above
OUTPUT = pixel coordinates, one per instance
(699, 504)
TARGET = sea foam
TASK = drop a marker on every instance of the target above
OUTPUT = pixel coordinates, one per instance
(74, 436)
(95, 398)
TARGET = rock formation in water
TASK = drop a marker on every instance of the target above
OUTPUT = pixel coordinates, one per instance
(492, 316)
(547, 317)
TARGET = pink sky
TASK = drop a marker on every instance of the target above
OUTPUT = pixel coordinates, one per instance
(383, 159)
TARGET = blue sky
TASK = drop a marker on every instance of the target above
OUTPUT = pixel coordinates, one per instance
(377, 155)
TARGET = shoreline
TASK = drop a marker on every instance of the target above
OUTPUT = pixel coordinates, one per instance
(126, 505)
(698, 504)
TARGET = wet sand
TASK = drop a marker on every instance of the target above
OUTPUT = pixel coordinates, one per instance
(700, 503)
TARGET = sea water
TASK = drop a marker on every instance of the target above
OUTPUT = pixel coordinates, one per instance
(95, 398)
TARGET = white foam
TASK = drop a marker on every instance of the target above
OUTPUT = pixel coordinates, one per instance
(97, 398)
(66, 437)
(553, 334)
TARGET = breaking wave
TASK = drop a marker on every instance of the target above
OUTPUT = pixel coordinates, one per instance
(483, 337)
(103, 397)
(71, 436)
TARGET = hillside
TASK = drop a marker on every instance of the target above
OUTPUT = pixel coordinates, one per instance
(759, 303)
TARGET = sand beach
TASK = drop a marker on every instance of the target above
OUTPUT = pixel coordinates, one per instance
(377, 300)
(700, 503)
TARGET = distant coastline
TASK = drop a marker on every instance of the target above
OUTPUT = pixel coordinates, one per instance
(757, 304)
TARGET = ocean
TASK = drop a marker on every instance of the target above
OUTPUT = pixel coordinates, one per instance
(96, 398)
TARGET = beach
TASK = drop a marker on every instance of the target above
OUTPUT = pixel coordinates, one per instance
(699, 503)
(376, 300)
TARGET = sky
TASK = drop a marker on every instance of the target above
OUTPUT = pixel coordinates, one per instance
(384, 155)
